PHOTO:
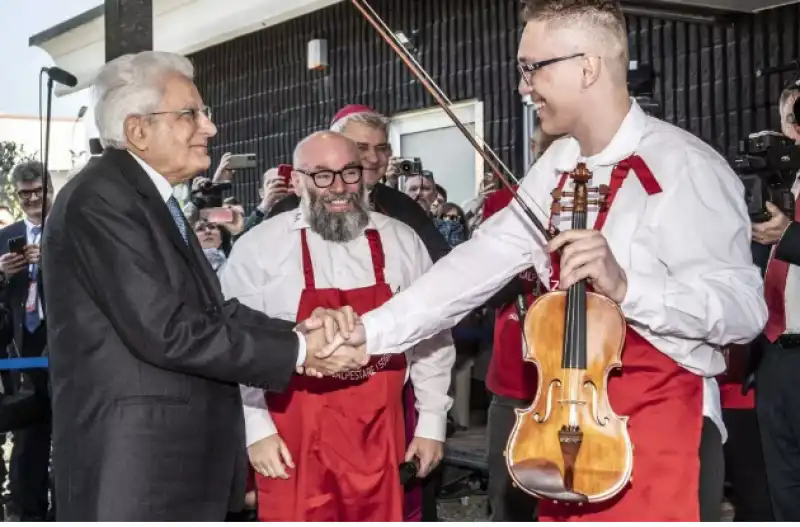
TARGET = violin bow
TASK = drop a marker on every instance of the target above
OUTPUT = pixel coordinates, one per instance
(488, 155)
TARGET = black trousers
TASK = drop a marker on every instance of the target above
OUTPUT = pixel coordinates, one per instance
(744, 467)
(511, 504)
(29, 475)
(507, 502)
(778, 409)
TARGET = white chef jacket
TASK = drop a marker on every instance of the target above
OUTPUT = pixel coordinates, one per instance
(265, 272)
(692, 284)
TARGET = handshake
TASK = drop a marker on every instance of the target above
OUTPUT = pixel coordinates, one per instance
(335, 342)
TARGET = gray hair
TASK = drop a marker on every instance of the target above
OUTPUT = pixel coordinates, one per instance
(371, 119)
(788, 96)
(28, 171)
(132, 85)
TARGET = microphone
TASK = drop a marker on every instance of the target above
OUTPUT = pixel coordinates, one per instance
(790, 66)
(61, 76)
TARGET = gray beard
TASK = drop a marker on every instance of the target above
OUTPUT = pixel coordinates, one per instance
(338, 227)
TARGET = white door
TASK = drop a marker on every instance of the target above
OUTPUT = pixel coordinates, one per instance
(431, 136)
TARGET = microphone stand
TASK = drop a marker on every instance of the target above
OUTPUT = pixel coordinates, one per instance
(46, 161)
(45, 189)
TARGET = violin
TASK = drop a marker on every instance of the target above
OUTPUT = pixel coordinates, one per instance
(569, 445)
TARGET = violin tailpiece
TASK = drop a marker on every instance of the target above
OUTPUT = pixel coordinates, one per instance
(570, 439)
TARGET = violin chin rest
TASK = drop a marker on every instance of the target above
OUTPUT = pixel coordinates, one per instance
(544, 479)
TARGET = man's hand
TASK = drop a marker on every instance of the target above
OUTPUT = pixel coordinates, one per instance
(429, 452)
(13, 263)
(198, 183)
(771, 231)
(586, 255)
(270, 457)
(223, 173)
(33, 253)
(343, 358)
(274, 189)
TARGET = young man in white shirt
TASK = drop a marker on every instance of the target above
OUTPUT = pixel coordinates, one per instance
(672, 251)
(329, 449)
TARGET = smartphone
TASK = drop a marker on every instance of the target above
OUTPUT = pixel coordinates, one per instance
(217, 215)
(242, 161)
(17, 245)
(408, 471)
(285, 171)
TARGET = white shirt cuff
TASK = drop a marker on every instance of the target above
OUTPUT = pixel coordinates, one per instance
(431, 425)
(301, 348)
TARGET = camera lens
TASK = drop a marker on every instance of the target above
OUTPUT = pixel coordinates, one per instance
(405, 166)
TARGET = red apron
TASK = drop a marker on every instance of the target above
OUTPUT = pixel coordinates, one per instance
(345, 433)
(665, 405)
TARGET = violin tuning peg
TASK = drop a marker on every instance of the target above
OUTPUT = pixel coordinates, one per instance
(603, 190)
(556, 194)
(556, 208)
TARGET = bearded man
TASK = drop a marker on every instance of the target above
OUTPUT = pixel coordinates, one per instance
(671, 250)
(329, 449)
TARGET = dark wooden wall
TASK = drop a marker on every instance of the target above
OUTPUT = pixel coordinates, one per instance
(265, 100)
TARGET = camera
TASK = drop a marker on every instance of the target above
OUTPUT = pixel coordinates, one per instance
(767, 167)
(209, 195)
(408, 166)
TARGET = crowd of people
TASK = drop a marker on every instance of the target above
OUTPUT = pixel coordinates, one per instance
(297, 361)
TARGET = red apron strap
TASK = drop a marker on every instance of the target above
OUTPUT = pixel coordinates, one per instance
(618, 175)
(378, 257)
(308, 268)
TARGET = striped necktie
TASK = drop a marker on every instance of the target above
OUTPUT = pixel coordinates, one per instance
(179, 218)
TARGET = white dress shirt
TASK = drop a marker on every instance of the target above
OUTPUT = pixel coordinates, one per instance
(692, 284)
(265, 272)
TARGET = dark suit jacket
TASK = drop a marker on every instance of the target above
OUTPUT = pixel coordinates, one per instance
(15, 294)
(146, 357)
(393, 203)
(30, 403)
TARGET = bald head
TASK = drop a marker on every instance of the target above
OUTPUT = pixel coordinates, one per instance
(328, 172)
(325, 149)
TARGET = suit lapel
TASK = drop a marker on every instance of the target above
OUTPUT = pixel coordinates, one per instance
(135, 175)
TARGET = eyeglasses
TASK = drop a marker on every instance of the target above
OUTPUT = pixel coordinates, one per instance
(29, 193)
(201, 227)
(325, 178)
(194, 113)
(527, 70)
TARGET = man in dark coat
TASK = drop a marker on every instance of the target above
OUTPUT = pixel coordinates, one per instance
(146, 357)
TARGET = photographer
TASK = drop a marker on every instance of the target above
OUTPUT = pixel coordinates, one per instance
(207, 204)
(777, 403)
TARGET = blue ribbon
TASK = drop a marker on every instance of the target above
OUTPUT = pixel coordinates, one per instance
(23, 363)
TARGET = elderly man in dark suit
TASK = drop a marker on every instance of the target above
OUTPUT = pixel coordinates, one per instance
(146, 356)
(20, 273)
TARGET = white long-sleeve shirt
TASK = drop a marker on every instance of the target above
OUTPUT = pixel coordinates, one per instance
(265, 272)
(692, 284)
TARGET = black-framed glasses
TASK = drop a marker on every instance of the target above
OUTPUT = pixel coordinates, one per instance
(325, 178)
(29, 193)
(206, 226)
(194, 113)
(527, 70)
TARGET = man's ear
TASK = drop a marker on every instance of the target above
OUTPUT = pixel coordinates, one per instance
(135, 133)
(591, 70)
